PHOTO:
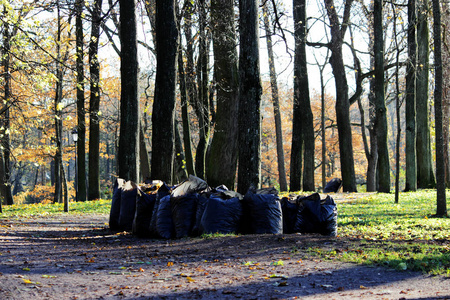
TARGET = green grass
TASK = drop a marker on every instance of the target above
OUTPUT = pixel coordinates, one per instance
(371, 229)
(39, 209)
(403, 236)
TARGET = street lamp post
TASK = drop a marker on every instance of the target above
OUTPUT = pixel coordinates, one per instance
(75, 139)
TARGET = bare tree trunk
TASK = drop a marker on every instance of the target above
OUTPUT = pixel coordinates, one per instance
(163, 116)
(222, 157)
(446, 91)
(58, 120)
(410, 144)
(441, 205)
(144, 158)
(342, 99)
(5, 146)
(179, 170)
(128, 153)
(186, 123)
(203, 105)
(384, 172)
(94, 108)
(397, 110)
(81, 111)
(425, 175)
(249, 169)
(276, 103)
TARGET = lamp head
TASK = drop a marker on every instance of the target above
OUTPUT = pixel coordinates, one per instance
(75, 135)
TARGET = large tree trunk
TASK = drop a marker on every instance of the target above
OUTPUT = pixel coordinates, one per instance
(342, 99)
(425, 175)
(186, 123)
(302, 115)
(371, 151)
(397, 108)
(5, 147)
(202, 106)
(58, 115)
(441, 205)
(410, 113)
(250, 90)
(300, 88)
(302, 95)
(94, 107)
(384, 172)
(222, 158)
(163, 116)
(128, 153)
(446, 92)
(81, 112)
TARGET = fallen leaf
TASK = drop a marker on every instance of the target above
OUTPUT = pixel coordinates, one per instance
(278, 263)
(278, 276)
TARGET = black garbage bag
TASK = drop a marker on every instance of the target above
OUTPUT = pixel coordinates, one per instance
(164, 221)
(162, 192)
(191, 186)
(316, 216)
(115, 204)
(289, 210)
(202, 201)
(127, 206)
(329, 211)
(264, 209)
(184, 211)
(144, 210)
(333, 185)
(222, 215)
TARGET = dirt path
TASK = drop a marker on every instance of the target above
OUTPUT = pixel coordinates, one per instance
(77, 257)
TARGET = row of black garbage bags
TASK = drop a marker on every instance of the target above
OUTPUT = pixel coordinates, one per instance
(192, 208)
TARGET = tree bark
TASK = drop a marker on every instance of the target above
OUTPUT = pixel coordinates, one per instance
(186, 122)
(425, 175)
(222, 158)
(81, 111)
(441, 205)
(410, 113)
(179, 170)
(250, 90)
(446, 93)
(5, 145)
(384, 172)
(203, 105)
(144, 158)
(163, 116)
(94, 107)
(57, 110)
(302, 95)
(128, 153)
(342, 99)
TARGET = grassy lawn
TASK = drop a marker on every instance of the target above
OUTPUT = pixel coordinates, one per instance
(39, 209)
(403, 236)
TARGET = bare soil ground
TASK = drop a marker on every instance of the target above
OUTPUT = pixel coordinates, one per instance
(78, 257)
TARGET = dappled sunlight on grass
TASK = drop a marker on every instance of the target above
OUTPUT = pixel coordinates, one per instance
(40, 209)
(402, 236)
(378, 217)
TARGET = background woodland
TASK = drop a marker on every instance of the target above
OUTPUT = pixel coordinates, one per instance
(242, 93)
